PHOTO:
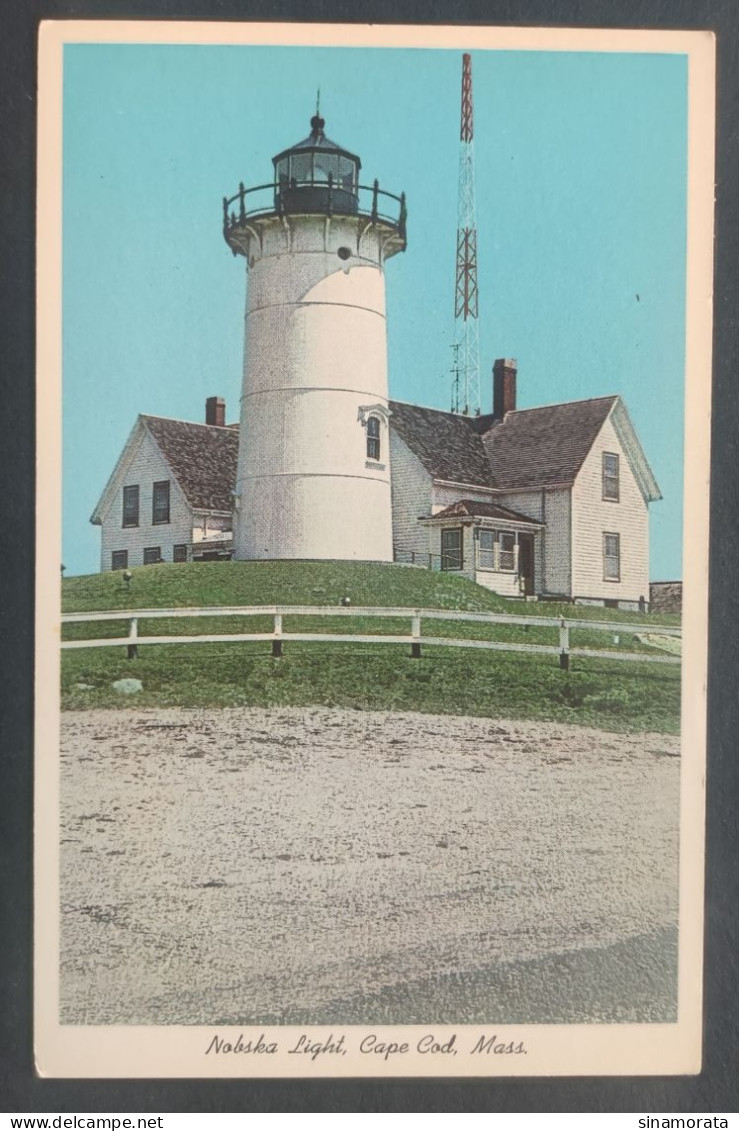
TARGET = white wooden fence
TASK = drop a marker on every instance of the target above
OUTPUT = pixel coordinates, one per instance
(278, 636)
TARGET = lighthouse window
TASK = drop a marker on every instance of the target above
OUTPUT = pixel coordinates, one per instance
(373, 438)
(346, 174)
(344, 253)
(325, 164)
(300, 168)
(282, 173)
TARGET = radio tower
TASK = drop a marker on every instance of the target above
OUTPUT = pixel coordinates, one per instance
(466, 363)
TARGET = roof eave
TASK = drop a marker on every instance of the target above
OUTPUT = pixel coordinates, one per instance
(457, 483)
(103, 503)
(478, 520)
(631, 444)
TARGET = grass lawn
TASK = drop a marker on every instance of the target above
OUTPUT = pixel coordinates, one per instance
(310, 583)
(613, 695)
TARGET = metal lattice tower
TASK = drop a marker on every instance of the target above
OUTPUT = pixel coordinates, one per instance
(466, 364)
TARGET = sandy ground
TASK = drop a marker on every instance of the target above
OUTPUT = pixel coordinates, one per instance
(332, 866)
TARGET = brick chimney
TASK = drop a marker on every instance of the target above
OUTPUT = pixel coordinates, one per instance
(504, 386)
(215, 411)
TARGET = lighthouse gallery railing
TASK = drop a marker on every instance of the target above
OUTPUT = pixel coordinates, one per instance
(372, 203)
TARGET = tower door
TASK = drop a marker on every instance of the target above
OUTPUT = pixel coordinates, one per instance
(526, 562)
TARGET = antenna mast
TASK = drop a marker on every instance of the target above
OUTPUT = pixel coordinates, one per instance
(466, 365)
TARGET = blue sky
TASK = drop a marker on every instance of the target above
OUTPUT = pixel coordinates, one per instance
(581, 201)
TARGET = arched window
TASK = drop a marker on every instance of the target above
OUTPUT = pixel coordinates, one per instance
(373, 438)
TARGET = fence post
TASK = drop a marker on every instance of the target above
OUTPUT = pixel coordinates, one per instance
(277, 643)
(133, 634)
(564, 646)
(416, 634)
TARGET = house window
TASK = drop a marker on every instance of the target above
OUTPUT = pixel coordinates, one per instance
(610, 477)
(486, 552)
(131, 506)
(160, 503)
(451, 549)
(507, 553)
(373, 438)
(611, 557)
(119, 559)
(152, 555)
(179, 553)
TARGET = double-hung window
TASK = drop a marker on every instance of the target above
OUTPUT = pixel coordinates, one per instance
(507, 554)
(611, 557)
(160, 503)
(373, 438)
(610, 477)
(486, 550)
(119, 559)
(131, 506)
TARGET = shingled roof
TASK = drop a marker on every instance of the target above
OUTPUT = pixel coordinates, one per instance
(446, 444)
(202, 457)
(538, 447)
(534, 447)
(469, 508)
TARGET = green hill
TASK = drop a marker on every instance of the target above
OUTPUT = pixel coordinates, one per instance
(308, 583)
(277, 583)
(614, 695)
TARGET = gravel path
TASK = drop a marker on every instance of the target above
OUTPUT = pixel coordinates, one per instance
(316, 865)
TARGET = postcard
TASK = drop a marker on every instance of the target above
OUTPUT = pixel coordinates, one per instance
(374, 375)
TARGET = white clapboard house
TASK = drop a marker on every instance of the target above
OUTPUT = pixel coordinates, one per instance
(170, 495)
(549, 501)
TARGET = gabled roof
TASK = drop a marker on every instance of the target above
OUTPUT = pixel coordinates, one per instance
(447, 444)
(529, 448)
(468, 508)
(539, 447)
(202, 457)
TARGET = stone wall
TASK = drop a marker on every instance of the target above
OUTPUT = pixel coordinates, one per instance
(666, 596)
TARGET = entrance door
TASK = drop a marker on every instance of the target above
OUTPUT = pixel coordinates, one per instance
(526, 562)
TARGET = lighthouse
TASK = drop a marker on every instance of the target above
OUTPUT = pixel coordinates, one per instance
(313, 477)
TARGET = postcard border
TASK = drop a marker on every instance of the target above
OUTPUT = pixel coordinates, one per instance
(724, 697)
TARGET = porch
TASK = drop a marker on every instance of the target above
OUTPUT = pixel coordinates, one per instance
(491, 545)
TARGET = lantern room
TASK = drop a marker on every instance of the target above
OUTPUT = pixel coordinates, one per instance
(316, 175)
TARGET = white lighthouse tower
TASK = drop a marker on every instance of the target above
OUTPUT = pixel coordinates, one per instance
(313, 477)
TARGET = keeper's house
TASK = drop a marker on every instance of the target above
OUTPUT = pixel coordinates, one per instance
(170, 495)
(548, 502)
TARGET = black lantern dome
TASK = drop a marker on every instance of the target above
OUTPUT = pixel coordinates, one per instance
(317, 175)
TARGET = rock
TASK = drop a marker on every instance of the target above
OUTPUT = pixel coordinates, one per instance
(85, 686)
(128, 686)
